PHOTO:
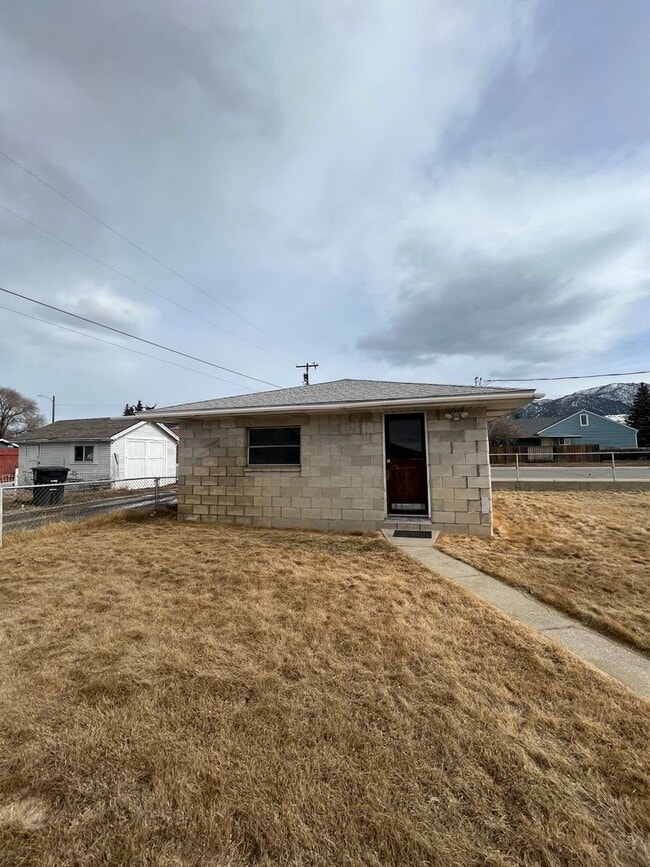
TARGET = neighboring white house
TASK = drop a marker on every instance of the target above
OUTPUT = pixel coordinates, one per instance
(100, 448)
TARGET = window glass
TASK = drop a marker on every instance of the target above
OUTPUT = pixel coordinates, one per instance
(274, 445)
(584, 419)
(274, 455)
(274, 436)
(84, 453)
(405, 437)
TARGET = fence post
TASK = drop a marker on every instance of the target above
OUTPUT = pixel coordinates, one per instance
(517, 466)
(613, 467)
(1, 498)
(156, 491)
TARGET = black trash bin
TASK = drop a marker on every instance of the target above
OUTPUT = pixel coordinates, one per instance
(50, 481)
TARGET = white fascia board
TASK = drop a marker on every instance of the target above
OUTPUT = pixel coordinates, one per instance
(139, 424)
(501, 402)
(166, 430)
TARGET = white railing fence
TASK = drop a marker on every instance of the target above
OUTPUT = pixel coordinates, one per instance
(543, 462)
(27, 507)
(9, 479)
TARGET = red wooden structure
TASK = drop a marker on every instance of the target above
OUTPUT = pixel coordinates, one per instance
(8, 463)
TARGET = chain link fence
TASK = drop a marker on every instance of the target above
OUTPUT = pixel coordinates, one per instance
(26, 507)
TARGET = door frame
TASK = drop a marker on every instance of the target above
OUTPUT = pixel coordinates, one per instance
(425, 420)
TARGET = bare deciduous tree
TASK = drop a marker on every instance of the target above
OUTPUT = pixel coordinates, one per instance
(503, 431)
(17, 413)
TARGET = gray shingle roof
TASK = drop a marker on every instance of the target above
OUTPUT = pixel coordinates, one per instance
(76, 429)
(337, 392)
(530, 427)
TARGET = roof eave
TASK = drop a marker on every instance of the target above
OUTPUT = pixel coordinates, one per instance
(77, 439)
(497, 405)
(82, 438)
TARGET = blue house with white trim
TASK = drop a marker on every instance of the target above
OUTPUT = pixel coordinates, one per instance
(579, 428)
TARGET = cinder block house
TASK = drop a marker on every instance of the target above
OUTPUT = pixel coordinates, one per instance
(345, 455)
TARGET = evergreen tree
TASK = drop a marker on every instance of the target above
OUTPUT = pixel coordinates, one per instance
(134, 408)
(639, 416)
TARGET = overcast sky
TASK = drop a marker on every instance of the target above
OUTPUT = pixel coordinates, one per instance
(426, 191)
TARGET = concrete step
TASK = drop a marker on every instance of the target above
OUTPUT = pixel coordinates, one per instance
(409, 524)
(406, 542)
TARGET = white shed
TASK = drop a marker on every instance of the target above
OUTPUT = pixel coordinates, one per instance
(100, 448)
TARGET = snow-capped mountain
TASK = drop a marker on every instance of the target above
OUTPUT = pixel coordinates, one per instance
(613, 399)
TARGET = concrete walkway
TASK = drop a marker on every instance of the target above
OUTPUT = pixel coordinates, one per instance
(620, 662)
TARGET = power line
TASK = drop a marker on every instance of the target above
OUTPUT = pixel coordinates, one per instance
(137, 246)
(119, 346)
(555, 378)
(140, 339)
(132, 279)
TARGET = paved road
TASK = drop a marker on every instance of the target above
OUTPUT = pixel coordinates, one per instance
(554, 473)
(31, 518)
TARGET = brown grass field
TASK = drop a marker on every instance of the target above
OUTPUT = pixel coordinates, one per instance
(173, 694)
(585, 552)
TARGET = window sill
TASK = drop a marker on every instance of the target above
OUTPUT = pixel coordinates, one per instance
(272, 468)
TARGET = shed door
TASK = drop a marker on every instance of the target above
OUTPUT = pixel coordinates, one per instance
(407, 489)
(144, 459)
(32, 455)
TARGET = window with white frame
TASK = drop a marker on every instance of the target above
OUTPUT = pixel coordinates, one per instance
(584, 419)
(84, 454)
(274, 445)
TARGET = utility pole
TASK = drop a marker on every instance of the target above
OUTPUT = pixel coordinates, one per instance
(52, 401)
(306, 367)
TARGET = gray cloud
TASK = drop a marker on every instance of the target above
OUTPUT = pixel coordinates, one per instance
(490, 309)
(577, 91)
(551, 271)
(356, 178)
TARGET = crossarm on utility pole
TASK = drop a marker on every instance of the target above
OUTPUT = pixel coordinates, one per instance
(306, 367)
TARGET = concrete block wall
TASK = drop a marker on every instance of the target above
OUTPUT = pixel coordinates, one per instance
(459, 474)
(340, 482)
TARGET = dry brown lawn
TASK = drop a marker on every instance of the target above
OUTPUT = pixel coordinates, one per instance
(173, 694)
(587, 553)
